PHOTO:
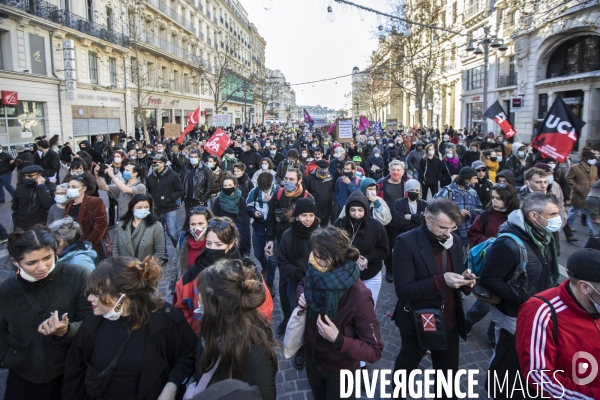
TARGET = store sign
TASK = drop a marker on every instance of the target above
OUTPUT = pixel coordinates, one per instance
(152, 100)
(203, 113)
(516, 104)
(572, 100)
(476, 98)
(10, 98)
(69, 69)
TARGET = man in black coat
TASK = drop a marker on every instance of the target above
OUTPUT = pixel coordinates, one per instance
(320, 185)
(33, 198)
(7, 165)
(409, 212)
(49, 160)
(198, 182)
(251, 158)
(429, 272)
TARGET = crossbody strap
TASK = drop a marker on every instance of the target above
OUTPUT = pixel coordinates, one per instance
(39, 310)
(553, 316)
(141, 237)
(444, 268)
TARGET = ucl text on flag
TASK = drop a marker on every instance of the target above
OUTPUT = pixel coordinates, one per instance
(559, 131)
(496, 113)
(192, 121)
(218, 142)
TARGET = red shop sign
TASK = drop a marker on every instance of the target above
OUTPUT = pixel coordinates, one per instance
(475, 98)
(10, 98)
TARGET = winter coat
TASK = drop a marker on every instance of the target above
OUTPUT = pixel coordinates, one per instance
(414, 158)
(322, 192)
(402, 207)
(359, 338)
(245, 184)
(203, 179)
(92, 209)
(448, 170)
(275, 229)
(254, 202)
(277, 159)
(165, 188)
(508, 175)
(24, 351)
(252, 160)
(289, 266)
(50, 162)
(373, 161)
(30, 204)
(343, 190)
(580, 178)
(515, 165)
(169, 354)
(469, 157)
(501, 263)
(480, 232)
(430, 171)
(148, 240)
(23, 159)
(5, 166)
(283, 168)
(80, 253)
(378, 210)
(371, 238)
(592, 201)
(484, 190)
(465, 200)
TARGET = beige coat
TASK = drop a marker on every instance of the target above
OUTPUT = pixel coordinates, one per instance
(581, 181)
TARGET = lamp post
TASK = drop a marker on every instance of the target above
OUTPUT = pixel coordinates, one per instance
(486, 42)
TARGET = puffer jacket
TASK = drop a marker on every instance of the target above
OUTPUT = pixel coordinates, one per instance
(204, 182)
(414, 158)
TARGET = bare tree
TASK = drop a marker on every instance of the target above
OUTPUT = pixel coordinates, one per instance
(266, 90)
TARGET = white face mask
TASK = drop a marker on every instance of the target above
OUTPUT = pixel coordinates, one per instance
(596, 305)
(592, 162)
(554, 224)
(117, 160)
(113, 314)
(73, 193)
(197, 233)
(265, 166)
(552, 166)
(448, 243)
(371, 193)
(431, 152)
(30, 278)
(61, 198)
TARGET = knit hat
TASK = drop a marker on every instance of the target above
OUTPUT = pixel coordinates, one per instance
(467, 173)
(584, 264)
(376, 150)
(543, 166)
(305, 205)
(265, 180)
(412, 184)
(365, 183)
(323, 164)
(477, 164)
(229, 151)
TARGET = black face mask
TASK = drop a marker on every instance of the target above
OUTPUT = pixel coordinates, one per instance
(413, 196)
(493, 158)
(29, 182)
(356, 220)
(229, 191)
(213, 254)
(348, 174)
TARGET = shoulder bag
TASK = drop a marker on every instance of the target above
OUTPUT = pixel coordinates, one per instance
(294, 332)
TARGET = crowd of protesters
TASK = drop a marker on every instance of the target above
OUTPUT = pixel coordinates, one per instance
(82, 318)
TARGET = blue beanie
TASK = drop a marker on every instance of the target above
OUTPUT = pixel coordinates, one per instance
(365, 183)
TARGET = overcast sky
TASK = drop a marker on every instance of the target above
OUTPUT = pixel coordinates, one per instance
(306, 47)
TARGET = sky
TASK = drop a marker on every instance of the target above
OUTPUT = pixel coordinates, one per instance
(306, 47)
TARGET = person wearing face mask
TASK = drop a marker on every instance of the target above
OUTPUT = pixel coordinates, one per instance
(346, 184)
(429, 272)
(87, 147)
(214, 164)
(450, 166)
(410, 210)
(378, 208)
(275, 156)
(71, 249)
(122, 191)
(23, 158)
(375, 165)
(580, 178)
(577, 309)
(58, 289)
(516, 163)
(320, 185)
(231, 203)
(222, 240)
(473, 154)
(140, 233)
(198, 181)
(266, 165)
(244, 182)
(490, 158)
(336, 163)
(33, 198)
(229, 160)
(483, 186)
(414, 158)
(534, 224)
(251, 158)
(291, 163)
(49, 160)
(57, 211)
(133, 329)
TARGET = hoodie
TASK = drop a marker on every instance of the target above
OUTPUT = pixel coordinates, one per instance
(592, 201)
(80, 253)
(508, 175)
(515, 165)
(379, 209)
(96, 157)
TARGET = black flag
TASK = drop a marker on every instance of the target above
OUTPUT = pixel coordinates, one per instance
(496, 112)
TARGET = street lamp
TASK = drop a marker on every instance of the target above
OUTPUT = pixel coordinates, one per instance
(486, 42)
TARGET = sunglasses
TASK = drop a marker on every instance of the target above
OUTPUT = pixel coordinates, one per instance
(200, 209)
(212, 223)
(481, 170)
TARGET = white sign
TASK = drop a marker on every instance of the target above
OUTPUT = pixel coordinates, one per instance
(221, 120)
(319, 122)
(344, 129)
(69, 68)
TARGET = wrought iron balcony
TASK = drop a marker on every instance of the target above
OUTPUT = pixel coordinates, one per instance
(473, 7)
(507, 80)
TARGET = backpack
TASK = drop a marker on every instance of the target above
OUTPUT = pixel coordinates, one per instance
(285, 214)
(476, 260)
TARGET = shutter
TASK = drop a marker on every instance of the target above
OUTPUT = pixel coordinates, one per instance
(98, 126)
(81, 127)
(114, 124)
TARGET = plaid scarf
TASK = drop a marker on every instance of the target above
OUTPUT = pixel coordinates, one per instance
(323, 291)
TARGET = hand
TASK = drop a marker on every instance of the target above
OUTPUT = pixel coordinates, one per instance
(363, 263)
(455, 281)
(258, 214)
(302, 301)
(465, 213)
(327, 329)
(169, 392)
(52, 326)
(109, 172)
(11, 161)
(372, 198)
(269, 248)
(407, 217)
(345, 180)
(96, 170)
(266, 198)
(40, 180)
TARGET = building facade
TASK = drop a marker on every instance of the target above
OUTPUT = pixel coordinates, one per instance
(282, 98)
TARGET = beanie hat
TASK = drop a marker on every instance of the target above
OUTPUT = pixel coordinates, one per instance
(543, 166)
(323, 164)
(467, 173)
(412, 184)
(477, 164)
(265, 180)
(305, 205)
(229, 151)
(376, 150)
(365, 183)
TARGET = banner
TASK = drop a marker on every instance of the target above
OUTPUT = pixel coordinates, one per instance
(307, 118)
(319, 122)
(496, 113)
(192, 121)
(345, 130)
(378, 126)
(221, 120)
(218, 142)
(557, 135)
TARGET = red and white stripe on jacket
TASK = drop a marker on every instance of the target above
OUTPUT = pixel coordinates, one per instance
(577, 331)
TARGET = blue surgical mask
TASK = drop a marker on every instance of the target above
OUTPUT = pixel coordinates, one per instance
(61, 198)
(376, 155)
(126, 175)
(520, 153)
(289, 186)
(272, 152)
(554, 224)
(194, 161)
(550, 179)
(142, 213)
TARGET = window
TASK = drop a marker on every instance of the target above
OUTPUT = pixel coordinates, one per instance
(164, 76)
(93, 66)
(23, 122)
(575, 56)
(176, 82)
(109, 18)
(454, 12)
(542, 105)
(509, 19)
(112, 71)
(37, 52)
(475, 78)
(89, 10)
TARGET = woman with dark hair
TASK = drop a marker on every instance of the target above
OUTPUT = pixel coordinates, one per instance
(123, 190)
(231, 203)
(341, 325)
(87, 160)
(192, 241)
(146, 341)
(430, 171)
(56, 290)
(66, 154)
(71, 249)
(141, 233)
(221, 243)
(450, 166)
(266, 165)
(238, 341)
(89, 212)
(490, 158)
(504, 201)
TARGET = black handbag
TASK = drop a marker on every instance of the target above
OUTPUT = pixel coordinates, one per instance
(429, 320)
(97, 382)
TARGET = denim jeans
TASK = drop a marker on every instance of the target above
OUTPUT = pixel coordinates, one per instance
(259, 240)
(573, 213)
(5, 181)
(170, 220)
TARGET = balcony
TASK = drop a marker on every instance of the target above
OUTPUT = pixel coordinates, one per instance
(165, 8)
(473, 7)
(200, 7)
(507, 80)
(47, 11)
(215, 20)
(169, 47)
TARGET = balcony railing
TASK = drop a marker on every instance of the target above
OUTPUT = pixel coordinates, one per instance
(507, 80)
(473, 7)
(52, 13)
(209, 42)
(172, 48)
(165, 8)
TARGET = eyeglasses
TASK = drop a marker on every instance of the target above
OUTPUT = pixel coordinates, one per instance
(200, 209)
(212, 223)
(157, 163)
(446, 230)
(499, 185)
(481, 170)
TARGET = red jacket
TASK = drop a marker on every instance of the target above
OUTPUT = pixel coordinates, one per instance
(357, 322)
(477, 234)
(94, 212)
(577, 332)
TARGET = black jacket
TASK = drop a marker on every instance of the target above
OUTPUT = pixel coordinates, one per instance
(447, 171)
(23, 350)
(401, 208)
(204, 182)
(252, 160)
(245, 184)
(469, 157)
(275, 229)
(277, 159)
(414, 265)
(484, 190)
(165, 188)
(5, 166)
(322, 191)
(30, 204)
(24, 159)
(50, 162)
(169, 354)
(430, 171)
(283, 168)
(371, 238)
(291, 267)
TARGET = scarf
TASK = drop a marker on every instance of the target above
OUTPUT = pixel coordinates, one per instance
(452, 161)
(296, 193)
(433, 240)
(313, 263)
(230, 204)
(544, 241)
(323, 291)
(301, 232)
(318, 174)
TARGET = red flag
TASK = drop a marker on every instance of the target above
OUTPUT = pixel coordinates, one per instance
(192, 121)
(496, 113)
(557, 135)
(218, 142)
